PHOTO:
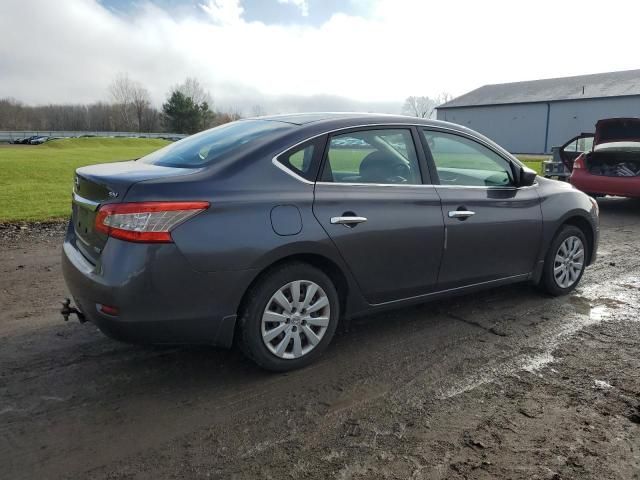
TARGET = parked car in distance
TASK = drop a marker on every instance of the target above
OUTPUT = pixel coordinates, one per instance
(607, 162)
(554, 167)
(266, 232)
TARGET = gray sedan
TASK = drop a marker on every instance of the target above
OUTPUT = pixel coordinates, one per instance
(267, 232)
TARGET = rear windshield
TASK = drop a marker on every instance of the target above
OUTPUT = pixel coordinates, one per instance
(206, 147)
(618, 130)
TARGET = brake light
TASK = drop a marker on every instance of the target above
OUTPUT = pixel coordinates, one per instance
(145, 222)
(109, 310)
(579, 162)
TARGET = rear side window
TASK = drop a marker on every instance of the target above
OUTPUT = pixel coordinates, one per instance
(300, 161)
(209, 146)
(372, 156)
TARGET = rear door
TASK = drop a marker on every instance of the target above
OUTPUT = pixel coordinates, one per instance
(493, 229)
(385, 222)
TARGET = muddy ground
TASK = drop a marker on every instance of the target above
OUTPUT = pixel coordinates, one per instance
(504, 384)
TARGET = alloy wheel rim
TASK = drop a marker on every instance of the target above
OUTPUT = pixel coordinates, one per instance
(295, 319)
(569, 262)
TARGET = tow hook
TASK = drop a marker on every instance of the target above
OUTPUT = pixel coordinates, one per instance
(67, 310)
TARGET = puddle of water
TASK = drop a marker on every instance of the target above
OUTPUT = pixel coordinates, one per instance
(586, 314)
(598, 313)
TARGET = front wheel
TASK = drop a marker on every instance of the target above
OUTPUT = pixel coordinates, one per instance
(289, 317)
(565, 261)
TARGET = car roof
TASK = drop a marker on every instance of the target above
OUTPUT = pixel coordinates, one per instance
(356, 118)
(322, 122)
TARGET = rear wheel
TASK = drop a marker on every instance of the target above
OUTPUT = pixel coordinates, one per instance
(565, 261)
(289, 317)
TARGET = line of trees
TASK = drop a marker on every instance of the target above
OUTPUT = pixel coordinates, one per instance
(188, 109)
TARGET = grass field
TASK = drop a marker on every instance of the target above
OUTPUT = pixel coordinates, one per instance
(36, 181)
(534, 161)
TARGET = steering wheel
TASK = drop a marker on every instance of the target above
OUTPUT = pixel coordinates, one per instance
(401, 172)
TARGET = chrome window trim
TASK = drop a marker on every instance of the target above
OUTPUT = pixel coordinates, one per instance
(288, 171)
(476, 187)
(277, 163)
(353, 184)
(488, 187)
(474, 138)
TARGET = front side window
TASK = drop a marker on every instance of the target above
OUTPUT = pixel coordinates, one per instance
(579, 145)
(209, 146)
(372, 156)
(464, 162)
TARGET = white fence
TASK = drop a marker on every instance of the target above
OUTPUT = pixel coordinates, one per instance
(7, 136)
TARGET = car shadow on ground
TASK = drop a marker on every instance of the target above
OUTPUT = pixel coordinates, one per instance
(620, 206)
(195, 364)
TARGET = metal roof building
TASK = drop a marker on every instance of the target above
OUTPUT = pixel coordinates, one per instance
(533, 116)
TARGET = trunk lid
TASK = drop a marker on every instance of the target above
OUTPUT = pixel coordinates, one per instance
(97, 185)
(617, 133)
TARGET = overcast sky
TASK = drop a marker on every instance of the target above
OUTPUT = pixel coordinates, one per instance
(289, 55)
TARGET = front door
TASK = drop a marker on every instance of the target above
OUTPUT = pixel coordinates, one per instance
(574, 148)
(493, 228)
(385, 223)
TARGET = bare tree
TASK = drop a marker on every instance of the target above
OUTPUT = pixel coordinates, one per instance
(151, 120)
(421, 107)
(131, 100)
(443, 98)
(12, 114)
(230, 115)
(257, 111)
(122, 92)
(193, 89)
(141, 103)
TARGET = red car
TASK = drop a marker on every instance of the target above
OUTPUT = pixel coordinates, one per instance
(607, 163)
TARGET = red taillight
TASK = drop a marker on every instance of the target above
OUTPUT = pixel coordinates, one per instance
(109, 310)
(145, 222)
(578, 163)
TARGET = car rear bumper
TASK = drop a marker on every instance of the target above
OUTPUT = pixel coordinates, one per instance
(620, 186)
(159, 297)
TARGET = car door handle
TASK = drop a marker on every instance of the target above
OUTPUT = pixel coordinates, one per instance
(461, 214)
(348, 221)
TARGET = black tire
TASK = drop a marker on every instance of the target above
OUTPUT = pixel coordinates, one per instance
(548, 282)
(250, 321)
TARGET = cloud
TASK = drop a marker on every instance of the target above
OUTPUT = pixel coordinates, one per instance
(70, 51)
(303, 5)
(223, 12)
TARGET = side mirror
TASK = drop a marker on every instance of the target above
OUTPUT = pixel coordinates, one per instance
(527, 177)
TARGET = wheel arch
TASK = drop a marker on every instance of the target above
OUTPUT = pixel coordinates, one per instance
(319, 261)
(585, 226)
(576, 218)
